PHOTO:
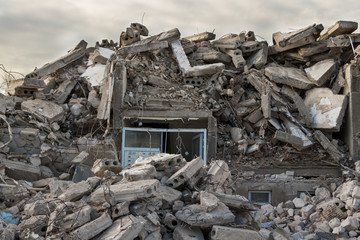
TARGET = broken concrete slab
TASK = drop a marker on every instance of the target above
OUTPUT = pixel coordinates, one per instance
(301, 37)
(208, 201)
(97, 57)
(43, 110)
(93, 228)
(19, 170)
(288, 138)
(227, 43)
(63, 91)
(205, 36)
(237, 58)
(299, 102)
(76, 191)
(184, 232)
(124, 191)
(313, 49)
(125, 228)
(57, 64)
(140, 29)
(37, 224)
(185, 66)
(34, 83)
(218, 173)
(327, 109)
(209, 55)
(289, 76)
(144, 47)
(259, 58)
(328, 146)
(221, 232)
(120, 209)
(167, 194)
(160, 161)
(194, 215)
(140, 173)
(340, 27)
(284, 39)
(185, 173)
(101, 165)
(296, 131)
(321, 72)
(159, 82)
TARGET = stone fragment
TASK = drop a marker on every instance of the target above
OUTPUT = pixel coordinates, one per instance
(125, 228)
(194, 215)
(143, 47)
(340, 27)
(37, 224)
(43, 110)
(76, 191)
(307, 210)
(101, 165)
(221, 232)
(218, 173)
(290, 76)
(93, 228)
(63, 91)
(327, 109)
(350, 223)
(183, 232)
(170, 221)
(167, 194)
(321, 72)
(299, 203)
(356, 192)
(140, 173)
(120, 209)
(322, 193)
(204, 36)
(185, 173)
(208, 201)
(288, 138)
(124, 191)
(335, 222)
(21, 171)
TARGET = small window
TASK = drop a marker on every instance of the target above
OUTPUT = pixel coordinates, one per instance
(260, 197)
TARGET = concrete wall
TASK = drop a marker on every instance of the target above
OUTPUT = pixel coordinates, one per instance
(281, 191)
(352, 118)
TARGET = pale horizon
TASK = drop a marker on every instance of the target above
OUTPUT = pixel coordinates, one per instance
(34, 33)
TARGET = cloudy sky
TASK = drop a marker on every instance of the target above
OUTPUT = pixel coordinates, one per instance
(35, 32)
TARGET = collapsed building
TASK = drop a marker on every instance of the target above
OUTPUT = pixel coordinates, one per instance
(273, 123)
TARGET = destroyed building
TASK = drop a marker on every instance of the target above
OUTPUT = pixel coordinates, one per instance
(167, 137)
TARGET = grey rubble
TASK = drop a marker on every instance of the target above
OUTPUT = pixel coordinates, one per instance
(271, 106)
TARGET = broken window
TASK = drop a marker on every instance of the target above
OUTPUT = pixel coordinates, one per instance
(260, 197)
(144, 142)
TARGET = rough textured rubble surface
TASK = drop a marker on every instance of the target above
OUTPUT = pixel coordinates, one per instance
(282, 105)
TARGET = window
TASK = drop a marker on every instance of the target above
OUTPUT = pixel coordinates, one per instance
(145, 142)
(260, 197)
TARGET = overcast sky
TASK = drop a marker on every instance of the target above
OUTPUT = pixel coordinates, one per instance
(35, 32)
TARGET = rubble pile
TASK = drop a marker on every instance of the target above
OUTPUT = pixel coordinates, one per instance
(332, 213)
(272, 105)
(159, 197)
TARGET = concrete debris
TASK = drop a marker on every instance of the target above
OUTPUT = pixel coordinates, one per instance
(165, 137)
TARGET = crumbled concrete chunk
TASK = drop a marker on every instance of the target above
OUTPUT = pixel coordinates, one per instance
(43, 110)
(327, 109)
